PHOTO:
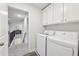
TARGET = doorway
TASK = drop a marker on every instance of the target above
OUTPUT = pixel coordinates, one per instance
(18, 31)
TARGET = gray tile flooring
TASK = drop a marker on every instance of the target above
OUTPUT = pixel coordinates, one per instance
(18, 50)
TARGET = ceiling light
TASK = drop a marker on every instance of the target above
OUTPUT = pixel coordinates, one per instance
(18, 15)
(3, 12)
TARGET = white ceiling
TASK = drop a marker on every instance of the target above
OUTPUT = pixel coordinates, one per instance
(39, 5)
(15, 15)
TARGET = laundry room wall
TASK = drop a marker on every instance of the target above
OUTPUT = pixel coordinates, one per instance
(35, 21)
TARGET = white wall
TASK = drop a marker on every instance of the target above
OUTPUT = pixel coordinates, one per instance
(35, 21)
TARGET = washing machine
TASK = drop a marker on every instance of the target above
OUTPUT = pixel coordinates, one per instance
(41, 43)
(62, 44)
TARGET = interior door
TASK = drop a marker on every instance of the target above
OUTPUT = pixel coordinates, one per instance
(26, 30)
(3, 29)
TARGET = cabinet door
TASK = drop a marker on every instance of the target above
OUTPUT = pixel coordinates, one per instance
(3, 29)
(58, 13)
(48, 15)
(54, 49)
(71, 12)
(3, 19)
(44, 14)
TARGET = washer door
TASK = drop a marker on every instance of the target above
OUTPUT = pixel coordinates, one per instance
(54, 49)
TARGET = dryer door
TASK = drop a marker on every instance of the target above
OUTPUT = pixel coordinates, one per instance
(54, 49)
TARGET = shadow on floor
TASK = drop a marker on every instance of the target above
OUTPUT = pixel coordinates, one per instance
(31, 54)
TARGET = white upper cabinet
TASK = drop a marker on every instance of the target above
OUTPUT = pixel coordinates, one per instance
(48, 15)
(44, 14)
(53, 14)
(71, 12)
(58, 13)
(61, 13)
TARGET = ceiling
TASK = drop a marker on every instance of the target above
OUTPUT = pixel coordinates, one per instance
(39, 5)
(15, 15)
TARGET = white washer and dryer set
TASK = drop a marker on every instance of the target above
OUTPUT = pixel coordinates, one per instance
(57, 43)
